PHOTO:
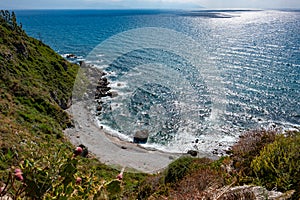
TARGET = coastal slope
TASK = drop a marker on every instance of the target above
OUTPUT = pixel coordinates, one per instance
(36, 159)
(35, 87)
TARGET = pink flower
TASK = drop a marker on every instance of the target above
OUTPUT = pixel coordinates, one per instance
(78, 180)
(120, 176)
(78, 151)
(18, 174)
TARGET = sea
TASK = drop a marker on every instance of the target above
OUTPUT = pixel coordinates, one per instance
(192, 79)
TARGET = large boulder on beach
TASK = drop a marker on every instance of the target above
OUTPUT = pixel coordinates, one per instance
(141, 136)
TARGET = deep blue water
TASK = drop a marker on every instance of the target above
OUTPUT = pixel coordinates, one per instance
(185, 75)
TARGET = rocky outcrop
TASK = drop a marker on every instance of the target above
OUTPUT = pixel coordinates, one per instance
(90, 83)
(102, 89)
(246, 192)
(63, 103)
(96, 88)
(71, 56)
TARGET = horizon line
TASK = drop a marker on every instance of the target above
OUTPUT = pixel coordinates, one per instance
(162, 9)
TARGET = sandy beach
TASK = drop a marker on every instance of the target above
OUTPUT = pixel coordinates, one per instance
(110, 150)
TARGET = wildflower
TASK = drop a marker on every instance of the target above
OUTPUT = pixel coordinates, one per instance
(1, 189)
(120, 175)
(18, 174)
(78, 180)
(78, 151)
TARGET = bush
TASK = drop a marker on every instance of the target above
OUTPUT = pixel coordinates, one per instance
(56, 175)
(194, 184)
(278, 165)
(247, 148)
(178, 169)
(204, 175)
(150, 186)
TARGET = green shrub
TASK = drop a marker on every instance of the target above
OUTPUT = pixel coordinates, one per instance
(246, 149)
(151, 185)
(278, 165)
(178, 169)
(55, 176)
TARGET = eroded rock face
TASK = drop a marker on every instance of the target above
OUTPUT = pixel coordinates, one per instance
(102, 89)
(63, 103)
(141, 136)
(246, 192)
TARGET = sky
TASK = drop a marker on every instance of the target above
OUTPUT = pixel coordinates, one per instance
(147, 4)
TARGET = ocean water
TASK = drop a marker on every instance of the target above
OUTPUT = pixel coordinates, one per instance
(193, 79)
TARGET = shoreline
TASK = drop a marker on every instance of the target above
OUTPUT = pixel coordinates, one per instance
(107, 148)
(111, 150)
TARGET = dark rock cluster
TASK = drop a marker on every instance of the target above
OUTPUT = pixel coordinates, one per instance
(98, 85)
(102, 88)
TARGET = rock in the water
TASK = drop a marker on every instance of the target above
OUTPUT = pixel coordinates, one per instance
(71, 56)
(112, 94)
(82, 64)
(215, 152)
(99, 107)
(141, 136)
(192, 153)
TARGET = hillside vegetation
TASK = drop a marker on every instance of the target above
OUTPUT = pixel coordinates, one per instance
(35, 87)
(38, 162)
(259, 164)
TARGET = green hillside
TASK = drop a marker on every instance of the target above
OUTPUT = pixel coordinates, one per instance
(35, 87)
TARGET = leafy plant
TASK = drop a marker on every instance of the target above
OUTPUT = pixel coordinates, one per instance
(246, 149)
(57, 175)
(151, 185)
(278, 164)
(178, 169)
